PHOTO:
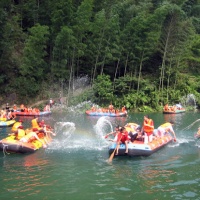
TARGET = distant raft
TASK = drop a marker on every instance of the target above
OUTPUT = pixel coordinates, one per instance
(176, 109)
(174, 112)
(32, 113)
(7, 123)
(110, 114)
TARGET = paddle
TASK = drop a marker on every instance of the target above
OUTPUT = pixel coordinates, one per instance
(112, 155)
(174, 136)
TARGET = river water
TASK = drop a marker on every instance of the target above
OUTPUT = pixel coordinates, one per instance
(75, 166)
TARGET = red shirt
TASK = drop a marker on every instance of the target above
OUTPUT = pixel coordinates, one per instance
(122, 136)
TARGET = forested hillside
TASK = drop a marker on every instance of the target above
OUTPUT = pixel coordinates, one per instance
(136, 53)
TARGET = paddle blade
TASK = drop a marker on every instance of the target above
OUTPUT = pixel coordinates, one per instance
(111, 156)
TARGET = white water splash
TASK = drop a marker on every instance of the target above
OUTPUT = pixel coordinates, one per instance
(103, 126)
(189, 100)
(66, 128)
(69, 139)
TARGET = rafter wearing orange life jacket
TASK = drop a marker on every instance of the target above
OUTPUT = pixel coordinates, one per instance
(148, 126)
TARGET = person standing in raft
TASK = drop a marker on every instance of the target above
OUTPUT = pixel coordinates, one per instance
(147, 129)
(122, 137)
(166, 128)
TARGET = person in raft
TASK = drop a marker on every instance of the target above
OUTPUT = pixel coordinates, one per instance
(122, 137)
(147, 129)
(114, 133)
(134, 130)
(166, 128)
(124, 109)
(16, 125)
(111, 108)
(33, 135)
(19, 133)
(42, 126)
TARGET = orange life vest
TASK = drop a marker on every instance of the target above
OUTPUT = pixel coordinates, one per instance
(123, 109)
(148, 126)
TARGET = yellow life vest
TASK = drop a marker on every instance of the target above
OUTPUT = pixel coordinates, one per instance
(15, 126)
(21, 133)
(131, 127)
(29, 137)
(165, 125)
(35, 123)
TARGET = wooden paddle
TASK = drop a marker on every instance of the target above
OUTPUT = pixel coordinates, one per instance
(174, 137)
(112, 155)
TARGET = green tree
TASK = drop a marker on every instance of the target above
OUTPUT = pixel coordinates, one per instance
(34, 66)
(103, 89)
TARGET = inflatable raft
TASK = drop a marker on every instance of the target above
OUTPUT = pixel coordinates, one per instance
(109, 114)
(177, 111)
(19, 113)
(7, 123)
(10, 144)
(139, 148)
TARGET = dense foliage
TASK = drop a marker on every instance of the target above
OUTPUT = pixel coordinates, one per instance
(141, 54)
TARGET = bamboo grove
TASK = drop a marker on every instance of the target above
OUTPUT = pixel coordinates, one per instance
(141, 54)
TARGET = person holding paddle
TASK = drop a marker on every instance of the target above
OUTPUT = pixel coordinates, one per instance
(122, 137)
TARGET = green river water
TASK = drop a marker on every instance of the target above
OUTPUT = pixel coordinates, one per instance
(75, 167)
